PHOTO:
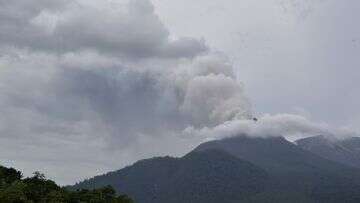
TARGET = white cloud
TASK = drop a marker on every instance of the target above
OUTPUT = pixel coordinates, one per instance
(290, 126)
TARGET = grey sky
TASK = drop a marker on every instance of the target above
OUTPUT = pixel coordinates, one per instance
(89, 86)
(292, 55)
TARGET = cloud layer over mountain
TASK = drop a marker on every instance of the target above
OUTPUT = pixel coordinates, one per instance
(99, 84)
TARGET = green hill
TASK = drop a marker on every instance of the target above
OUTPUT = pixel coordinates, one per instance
(38, 189)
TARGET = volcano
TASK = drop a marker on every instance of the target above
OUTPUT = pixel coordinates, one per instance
(237, 169)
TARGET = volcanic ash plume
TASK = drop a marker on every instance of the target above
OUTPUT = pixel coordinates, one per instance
(86, 79)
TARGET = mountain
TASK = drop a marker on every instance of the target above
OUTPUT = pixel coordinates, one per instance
(275, 154)
(207, 176)
(346, 151)
(238, 169)
(294, 172)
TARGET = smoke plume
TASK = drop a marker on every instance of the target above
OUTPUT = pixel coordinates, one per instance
(100, 84)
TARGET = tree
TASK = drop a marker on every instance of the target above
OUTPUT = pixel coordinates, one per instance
(14, 193)
(38, 189)
(9, 175)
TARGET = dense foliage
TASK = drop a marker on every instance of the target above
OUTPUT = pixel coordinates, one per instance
(38, 189)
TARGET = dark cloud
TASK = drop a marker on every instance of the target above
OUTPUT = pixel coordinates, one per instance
(132, 31)
(46, 98)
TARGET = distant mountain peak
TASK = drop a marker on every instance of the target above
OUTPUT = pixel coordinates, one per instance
(345, 151)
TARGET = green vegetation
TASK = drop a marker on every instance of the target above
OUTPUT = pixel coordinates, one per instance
(38, 189)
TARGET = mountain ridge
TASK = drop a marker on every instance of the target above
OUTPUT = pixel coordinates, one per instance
(345, 151)
(198, 175)
(282, 172)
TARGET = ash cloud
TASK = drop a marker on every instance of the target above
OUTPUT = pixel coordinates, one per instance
(80, 82)
(100, 84)
(131, 30)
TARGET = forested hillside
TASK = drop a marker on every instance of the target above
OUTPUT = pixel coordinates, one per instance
(37, 189)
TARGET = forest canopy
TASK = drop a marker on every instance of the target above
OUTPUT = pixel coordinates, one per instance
(38, 189)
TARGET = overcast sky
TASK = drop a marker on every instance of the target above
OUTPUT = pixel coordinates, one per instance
(292, 55)
(88, 86)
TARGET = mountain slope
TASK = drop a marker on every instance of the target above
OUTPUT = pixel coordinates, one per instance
(294, 172)
(343, 151)
(207, 176)
(275, 154)
(238, 169)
